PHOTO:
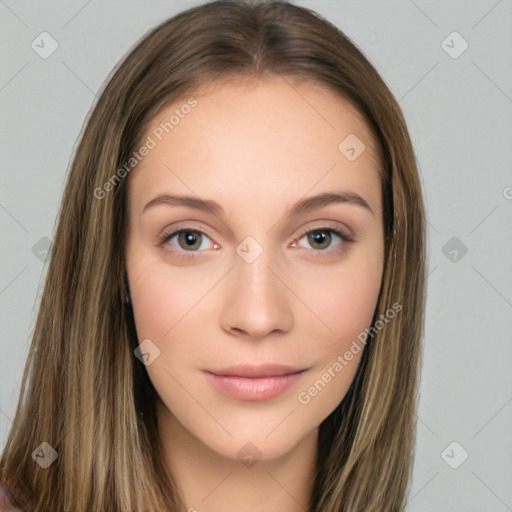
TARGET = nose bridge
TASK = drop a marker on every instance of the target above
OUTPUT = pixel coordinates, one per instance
(257, 302)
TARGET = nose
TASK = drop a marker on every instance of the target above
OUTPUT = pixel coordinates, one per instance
(256, 301)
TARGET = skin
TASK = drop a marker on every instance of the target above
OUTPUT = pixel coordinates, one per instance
(255, 148)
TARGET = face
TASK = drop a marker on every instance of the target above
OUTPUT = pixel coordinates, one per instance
(248, 296)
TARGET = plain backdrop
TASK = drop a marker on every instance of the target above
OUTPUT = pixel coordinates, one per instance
(449, 65)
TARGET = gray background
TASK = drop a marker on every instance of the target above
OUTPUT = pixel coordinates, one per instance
(459, 112)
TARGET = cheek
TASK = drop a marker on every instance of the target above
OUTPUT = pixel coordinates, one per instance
(154, 303)
(166, 306)
(347, 309)
(161, 298)
(170, 306)
(344, 298)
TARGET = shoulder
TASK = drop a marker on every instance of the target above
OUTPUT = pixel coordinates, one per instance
(5, 500)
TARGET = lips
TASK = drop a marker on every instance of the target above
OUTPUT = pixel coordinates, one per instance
(254, 382)
(256, 371)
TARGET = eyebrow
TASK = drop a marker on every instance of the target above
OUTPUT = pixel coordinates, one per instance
(303, 206)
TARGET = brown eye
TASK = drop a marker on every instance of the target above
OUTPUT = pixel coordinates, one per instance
(324, 240)
(320, 239)
(189, 240)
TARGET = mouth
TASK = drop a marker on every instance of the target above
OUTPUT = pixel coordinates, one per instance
(254, 382)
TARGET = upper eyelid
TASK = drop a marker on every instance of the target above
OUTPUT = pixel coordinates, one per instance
(173, 232)
(323, 223)
(326, 228)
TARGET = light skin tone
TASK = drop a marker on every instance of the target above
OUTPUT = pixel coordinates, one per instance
(256, 149)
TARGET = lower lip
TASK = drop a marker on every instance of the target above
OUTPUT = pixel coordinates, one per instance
(253, 389)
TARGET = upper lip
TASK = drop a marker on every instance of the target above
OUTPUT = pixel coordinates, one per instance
(256, 370)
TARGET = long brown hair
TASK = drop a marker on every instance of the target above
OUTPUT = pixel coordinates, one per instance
(83, 391)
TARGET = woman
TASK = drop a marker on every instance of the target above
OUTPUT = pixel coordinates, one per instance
(233, 310)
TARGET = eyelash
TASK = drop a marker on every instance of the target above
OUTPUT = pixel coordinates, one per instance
(188, 255)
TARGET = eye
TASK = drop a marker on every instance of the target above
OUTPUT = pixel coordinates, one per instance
(188, 240)
(324, 239)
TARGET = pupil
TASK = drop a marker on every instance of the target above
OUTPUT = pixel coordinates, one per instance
(191, 239)
(320, 237)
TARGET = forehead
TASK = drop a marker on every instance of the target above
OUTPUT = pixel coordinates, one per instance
(273, 137)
